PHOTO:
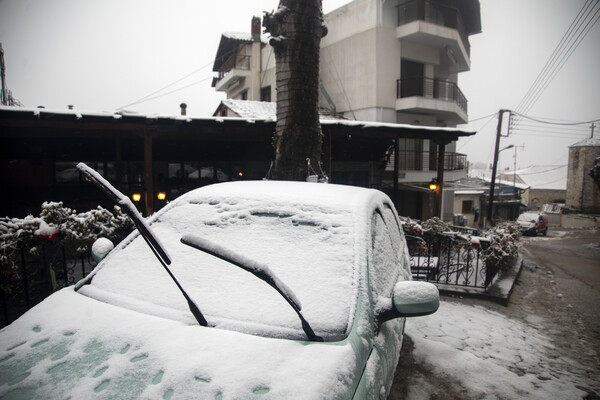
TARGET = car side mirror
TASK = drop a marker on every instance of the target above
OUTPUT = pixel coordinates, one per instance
(415, 299)
(100, 248)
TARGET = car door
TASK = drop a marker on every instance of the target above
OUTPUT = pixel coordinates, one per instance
(388, 265)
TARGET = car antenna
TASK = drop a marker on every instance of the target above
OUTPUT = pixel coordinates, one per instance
(259, 270)
(141, 225)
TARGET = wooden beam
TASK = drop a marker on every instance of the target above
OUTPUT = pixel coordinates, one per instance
(440, 179)
(149, 192)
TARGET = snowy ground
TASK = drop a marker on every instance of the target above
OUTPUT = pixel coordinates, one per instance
(487, 356)
(545, 344)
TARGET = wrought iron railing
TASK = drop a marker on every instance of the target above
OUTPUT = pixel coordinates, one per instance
(449, 259)
(435, 13)
(427, 161)
(233, 62)
(433, 88)
(42, 270)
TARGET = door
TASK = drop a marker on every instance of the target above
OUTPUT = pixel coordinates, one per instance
(389, 264)
(411, 78)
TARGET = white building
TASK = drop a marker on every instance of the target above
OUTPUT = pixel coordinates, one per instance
(393, 61)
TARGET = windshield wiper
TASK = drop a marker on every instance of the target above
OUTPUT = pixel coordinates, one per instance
(141, 225)
(259, 270)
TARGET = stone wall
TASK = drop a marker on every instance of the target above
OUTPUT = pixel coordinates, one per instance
(583, 193)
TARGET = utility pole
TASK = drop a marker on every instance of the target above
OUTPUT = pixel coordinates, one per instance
(515, 166)
(495, 166)
(3, 90)
(593, 126)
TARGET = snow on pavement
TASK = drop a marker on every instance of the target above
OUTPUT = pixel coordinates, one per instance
(489, 355)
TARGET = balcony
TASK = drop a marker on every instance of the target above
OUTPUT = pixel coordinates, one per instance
(232, 71)
(427, 161)
(444, 98)
(432, 24)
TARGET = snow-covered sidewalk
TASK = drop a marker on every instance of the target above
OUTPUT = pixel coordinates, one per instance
(486, 355)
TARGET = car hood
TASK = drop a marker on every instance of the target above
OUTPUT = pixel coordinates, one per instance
(526, 224)
(72, 346)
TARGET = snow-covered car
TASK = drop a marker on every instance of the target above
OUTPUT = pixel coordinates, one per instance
(301, 290)
(532, 223)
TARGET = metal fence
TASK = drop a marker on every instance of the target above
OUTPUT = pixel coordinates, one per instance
(42, 270)
(449, 259)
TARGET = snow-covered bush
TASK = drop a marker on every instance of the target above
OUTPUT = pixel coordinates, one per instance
(435, 226)
(75, 231)
(79, 231)
(439, 238)
(504, 245)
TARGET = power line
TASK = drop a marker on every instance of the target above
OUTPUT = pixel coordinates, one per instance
(566, 56)
(491, 117)
(554, 123)
(552, 58)
(149, 97)
(541, 134)
(561, 54)
(168, 93)
(484, 117)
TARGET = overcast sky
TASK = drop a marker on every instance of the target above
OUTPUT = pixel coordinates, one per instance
(106, 54)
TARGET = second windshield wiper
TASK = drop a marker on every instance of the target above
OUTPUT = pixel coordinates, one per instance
(259, 270)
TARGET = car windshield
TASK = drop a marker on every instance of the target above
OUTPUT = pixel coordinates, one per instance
(528, 217)
(312, 250)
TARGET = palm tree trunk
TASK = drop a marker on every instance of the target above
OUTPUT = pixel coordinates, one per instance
(296, 29)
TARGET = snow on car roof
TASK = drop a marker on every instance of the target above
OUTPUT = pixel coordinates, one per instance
(310, 235)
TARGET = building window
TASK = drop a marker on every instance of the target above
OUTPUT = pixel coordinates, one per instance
(467, 206)
(67, 172)
(265, 93)
(244, 95)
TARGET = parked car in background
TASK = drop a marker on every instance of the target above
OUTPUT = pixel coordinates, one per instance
(532, 223)
(284, 290)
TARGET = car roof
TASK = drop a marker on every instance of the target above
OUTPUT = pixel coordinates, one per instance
(343, 197)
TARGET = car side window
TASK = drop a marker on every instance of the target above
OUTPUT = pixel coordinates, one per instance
(387, 263)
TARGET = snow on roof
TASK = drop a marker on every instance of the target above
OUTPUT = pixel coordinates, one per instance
(534, 177)
(469, 191)
(261, 113)
(592, 142)
(252, 109)
(544, 176)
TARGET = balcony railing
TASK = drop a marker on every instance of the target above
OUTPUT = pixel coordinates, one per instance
(432, 88)
(435, 13)
(234, 62)
(427, 161)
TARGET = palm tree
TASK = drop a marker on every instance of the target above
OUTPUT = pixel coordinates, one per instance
(296, 30)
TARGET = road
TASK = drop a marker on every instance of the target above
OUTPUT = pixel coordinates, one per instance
(558, 293)
(571, 261)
